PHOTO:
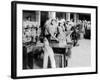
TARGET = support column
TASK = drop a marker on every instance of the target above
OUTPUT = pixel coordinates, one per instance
(38, 17)
(52, 14)
(68, 16)
(76, 17)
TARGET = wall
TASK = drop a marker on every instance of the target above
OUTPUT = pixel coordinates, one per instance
(5, 40)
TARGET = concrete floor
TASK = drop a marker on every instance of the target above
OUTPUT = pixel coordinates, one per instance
(81, 55)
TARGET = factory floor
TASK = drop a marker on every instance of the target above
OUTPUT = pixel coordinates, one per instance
(81, 55)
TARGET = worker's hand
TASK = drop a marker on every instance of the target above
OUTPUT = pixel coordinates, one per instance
(56, 39)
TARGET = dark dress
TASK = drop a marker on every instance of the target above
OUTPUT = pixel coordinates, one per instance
(75, 36)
